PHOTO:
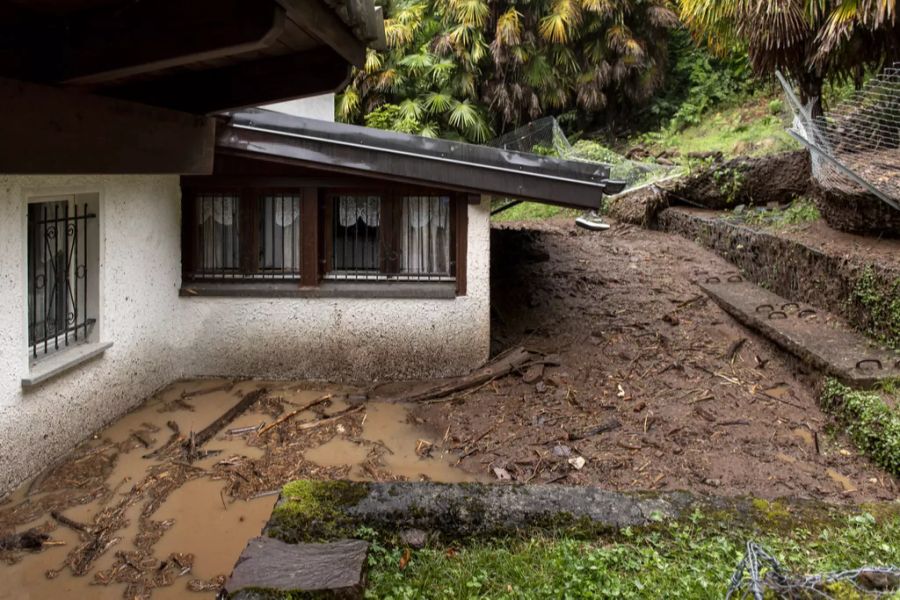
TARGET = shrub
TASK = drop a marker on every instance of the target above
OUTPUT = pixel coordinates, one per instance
(871, 423)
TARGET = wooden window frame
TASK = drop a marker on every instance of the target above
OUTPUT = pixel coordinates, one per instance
(316, 236)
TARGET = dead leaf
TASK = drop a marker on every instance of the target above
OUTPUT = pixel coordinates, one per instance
(502, 474)
(404, 560)
(577, 462)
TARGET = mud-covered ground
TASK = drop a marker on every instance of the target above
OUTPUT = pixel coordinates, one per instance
(654, 387)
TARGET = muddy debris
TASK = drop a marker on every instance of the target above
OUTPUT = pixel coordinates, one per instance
(691, 399)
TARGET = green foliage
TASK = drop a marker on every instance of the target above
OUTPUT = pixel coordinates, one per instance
(698, 81)
(812, 40)
(729, 181)
(464, 68)
(528, 211)
(801, 210)
(881, 301)
(692, 559)
(743, 129)
(776, 107)
(871, 423)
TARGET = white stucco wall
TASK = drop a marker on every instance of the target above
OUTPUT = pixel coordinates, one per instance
(315, 107)
(159, 337)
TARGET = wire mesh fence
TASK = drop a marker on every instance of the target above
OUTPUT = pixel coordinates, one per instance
(855, 146)
(545, 136)
(759, 575)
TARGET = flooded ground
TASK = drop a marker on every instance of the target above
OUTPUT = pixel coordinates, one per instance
(136, 511)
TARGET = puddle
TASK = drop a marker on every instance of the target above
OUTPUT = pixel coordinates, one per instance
(208, 508)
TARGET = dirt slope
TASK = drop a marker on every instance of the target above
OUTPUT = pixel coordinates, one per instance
(644, 353)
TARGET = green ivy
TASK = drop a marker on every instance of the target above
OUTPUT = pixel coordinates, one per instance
(872, 425)
(881, 300)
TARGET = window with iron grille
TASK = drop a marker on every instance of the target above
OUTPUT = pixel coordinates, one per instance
(242, 235)
(380, 236)
(62, 258)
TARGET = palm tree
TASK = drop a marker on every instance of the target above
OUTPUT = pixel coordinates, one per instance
(465, 67)
(810, 39)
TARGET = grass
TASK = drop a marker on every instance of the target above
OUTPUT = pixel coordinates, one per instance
(693, 559)
(800, 210)
(527, 211)
(753, 128)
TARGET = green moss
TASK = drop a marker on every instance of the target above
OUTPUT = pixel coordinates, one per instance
(772, 513)
(880, 300)
(872, 425)
(315, 510)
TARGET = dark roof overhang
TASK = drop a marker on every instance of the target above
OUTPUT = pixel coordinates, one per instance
(199, 56)
(413, 159)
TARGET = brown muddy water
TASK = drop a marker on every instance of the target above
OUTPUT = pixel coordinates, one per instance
(182, 525)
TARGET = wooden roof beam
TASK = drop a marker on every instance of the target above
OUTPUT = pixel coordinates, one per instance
(100, 45)
(242, 85)
(323, 24)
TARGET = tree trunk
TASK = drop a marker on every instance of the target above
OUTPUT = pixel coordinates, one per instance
(811, 89)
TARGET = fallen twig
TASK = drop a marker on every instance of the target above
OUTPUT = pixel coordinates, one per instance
(293, 414)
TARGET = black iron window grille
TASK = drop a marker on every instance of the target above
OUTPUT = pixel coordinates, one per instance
(406, 238)
(241, 236)
(58, 275)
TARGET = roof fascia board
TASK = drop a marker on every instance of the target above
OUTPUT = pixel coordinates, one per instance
(407, 166)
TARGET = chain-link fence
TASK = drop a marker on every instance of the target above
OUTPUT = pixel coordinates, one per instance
(759, 575)
(855, 147)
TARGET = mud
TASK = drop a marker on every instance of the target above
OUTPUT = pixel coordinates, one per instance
(646, 395)
(170, 528)
(808, 263)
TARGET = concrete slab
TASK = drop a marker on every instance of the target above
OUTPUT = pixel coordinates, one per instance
(335, 569)
(815, 337)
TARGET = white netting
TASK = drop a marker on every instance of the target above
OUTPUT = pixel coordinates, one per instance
(544, 136)
(855, 147)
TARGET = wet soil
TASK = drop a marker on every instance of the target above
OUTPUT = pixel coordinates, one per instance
(167, 527)
(818, 235)
(655, 388)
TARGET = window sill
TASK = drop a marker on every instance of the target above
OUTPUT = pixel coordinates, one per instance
(444, 290)
(62, 361)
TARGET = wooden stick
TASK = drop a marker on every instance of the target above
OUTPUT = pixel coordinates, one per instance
(293, 414)
(230, 415)
(64, 520)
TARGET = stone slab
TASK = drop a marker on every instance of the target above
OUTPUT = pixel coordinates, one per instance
(814, 336)
(335, 568)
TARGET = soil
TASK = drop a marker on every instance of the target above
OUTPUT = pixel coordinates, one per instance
(656, 387)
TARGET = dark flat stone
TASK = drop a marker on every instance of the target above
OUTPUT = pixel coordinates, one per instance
(808, 333)
(336, 568)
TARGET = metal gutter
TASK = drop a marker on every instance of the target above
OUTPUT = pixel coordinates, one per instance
(373, 152)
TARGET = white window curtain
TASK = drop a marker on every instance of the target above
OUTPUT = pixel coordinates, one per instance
(219, 222)
(357, 234)
(280, 231)
(426, 235)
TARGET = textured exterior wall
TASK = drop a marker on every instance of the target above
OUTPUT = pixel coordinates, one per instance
(315, 107)
(139, 273)
(159, 337)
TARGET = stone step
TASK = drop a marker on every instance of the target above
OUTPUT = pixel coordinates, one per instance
(335, 569)
(815, 337)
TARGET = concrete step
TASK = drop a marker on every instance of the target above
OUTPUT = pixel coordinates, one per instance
(815, 337)
(335, 569)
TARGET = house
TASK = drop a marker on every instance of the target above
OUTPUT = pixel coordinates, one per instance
(153, 227)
